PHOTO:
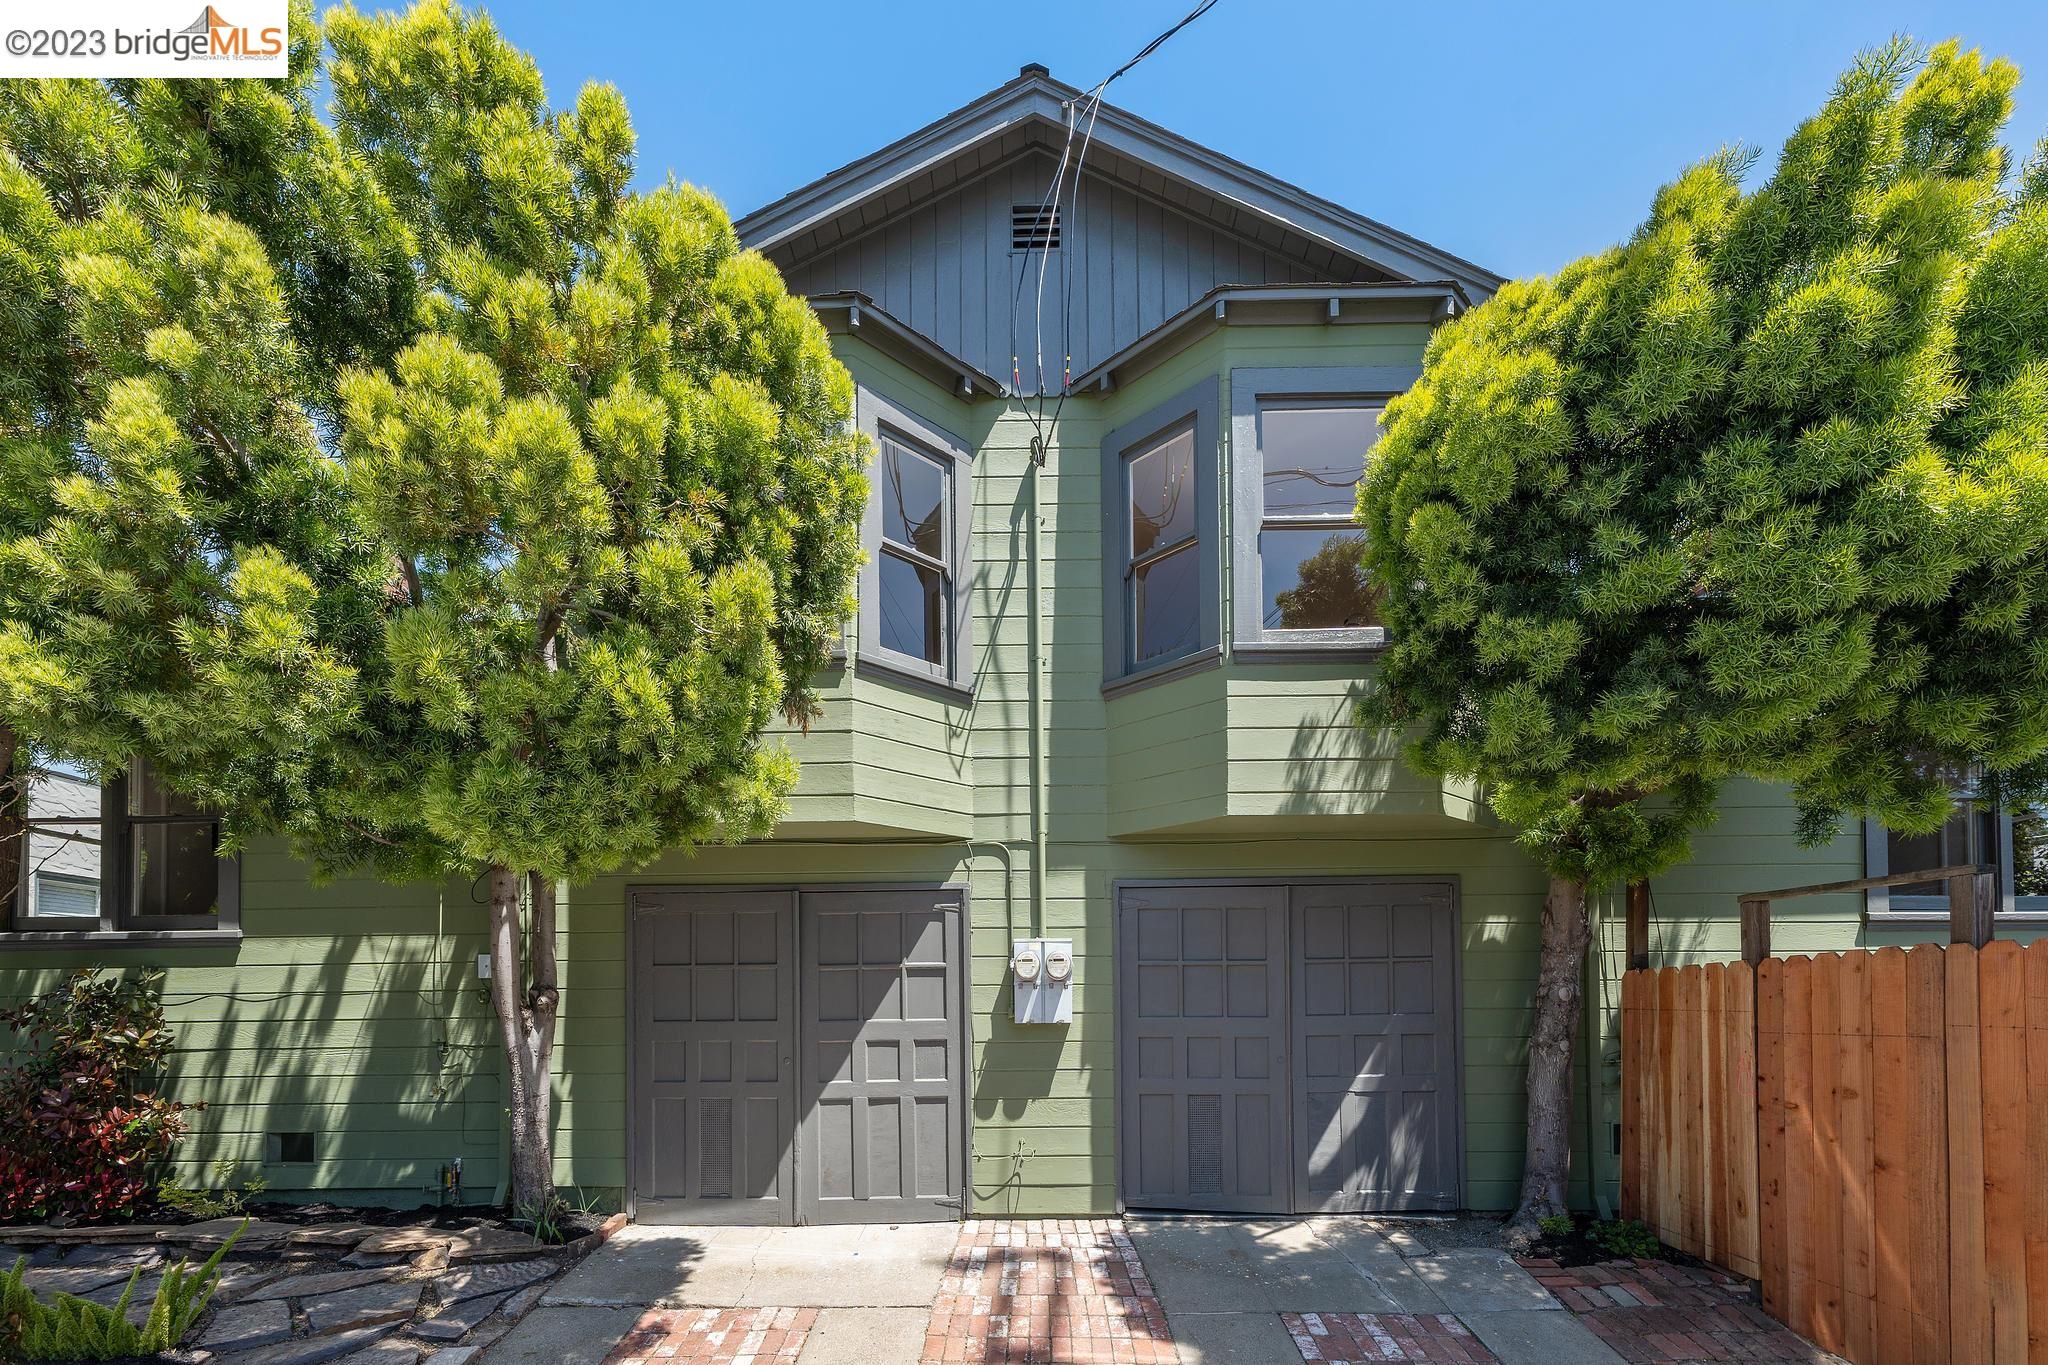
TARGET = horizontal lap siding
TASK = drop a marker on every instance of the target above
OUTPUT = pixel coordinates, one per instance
(348, 1010)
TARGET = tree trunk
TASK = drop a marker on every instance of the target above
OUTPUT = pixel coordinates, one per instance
(527, 997)
(1553, 1032)
(13, 815)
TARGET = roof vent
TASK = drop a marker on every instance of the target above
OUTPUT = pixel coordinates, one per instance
(1034, 227)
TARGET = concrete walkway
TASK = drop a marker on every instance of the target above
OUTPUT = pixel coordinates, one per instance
(1235, 1292)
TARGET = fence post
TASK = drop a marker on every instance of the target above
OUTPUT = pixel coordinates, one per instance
(1756, 929)
(1972, 899)
(1638, 926)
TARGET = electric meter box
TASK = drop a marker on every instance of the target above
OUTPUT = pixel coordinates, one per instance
(1042, 980)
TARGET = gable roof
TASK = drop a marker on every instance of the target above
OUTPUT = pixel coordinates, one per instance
(1031, 111)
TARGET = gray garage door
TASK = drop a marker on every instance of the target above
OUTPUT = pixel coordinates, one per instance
(882, 1064)
(798, 1056)
(1203, 1056)
(714, 996)
(1288, 1047)
(1375, 1111)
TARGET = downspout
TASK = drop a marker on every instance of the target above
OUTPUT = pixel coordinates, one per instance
(1038, 706)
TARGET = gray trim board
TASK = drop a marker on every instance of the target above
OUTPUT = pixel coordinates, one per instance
(876, 413)
(852, 313)
(1249, 388)
(1196, 406)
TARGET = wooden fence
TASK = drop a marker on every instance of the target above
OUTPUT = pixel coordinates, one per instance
(1867, 1134)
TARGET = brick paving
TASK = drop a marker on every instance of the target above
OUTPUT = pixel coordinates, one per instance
(1655, 1313)
(729, 1336)
(1354, 1338)
(1050, 1291)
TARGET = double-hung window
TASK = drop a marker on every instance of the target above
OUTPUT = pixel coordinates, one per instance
(2014, 842)
(1300, 442)
(126, 855)
(913, 617)
(1160, 540)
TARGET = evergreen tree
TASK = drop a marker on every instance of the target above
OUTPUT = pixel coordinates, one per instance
(1763, 491)
(617, 480)
(182, 266)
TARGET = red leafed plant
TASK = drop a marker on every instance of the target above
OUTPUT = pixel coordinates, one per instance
(83, 1134)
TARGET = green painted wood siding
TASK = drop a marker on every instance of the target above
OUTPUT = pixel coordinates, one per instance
(352, 1010)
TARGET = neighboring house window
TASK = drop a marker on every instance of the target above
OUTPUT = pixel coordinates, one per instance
(1160, 539)
(1300, 439)
(2015, 843)
(126, 855)
(913, 612)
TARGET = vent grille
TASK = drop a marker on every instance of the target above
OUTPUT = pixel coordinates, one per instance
(1033, 228)
(1205, 1144)
(714, 1150)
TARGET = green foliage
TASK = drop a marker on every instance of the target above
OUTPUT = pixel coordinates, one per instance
(1623, 1238)
(83, 1133)
(79, 1329)
(224, 1200)
(1763, 491)
(1556, 1225)
(614, 470)
(183, 265)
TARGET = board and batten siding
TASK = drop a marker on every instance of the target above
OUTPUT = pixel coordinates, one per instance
(946, 269)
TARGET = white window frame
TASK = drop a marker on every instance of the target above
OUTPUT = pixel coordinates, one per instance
(1885, 903)
(1252, 391)
(114, 921)
(881, 417)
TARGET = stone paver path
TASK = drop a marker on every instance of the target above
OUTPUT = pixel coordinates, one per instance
(698, 1336)
(1046, 1290)
(1655, 1313)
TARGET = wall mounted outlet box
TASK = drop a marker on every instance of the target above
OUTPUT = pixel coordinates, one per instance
(1042, 980)
(483, 966)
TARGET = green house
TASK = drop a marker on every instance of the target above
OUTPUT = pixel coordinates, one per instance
(1092, 894)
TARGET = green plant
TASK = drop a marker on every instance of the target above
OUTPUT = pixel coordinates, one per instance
(83, 1131)
(547, 1216)
(79, 1329)
(1759, 493)
(1556, 1225)
(223, 1201)
(1625, 1239)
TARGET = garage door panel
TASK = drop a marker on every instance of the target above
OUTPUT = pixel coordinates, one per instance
(1375, 1046)
(885, 1126)
(1202, 1035)
(714, 1018)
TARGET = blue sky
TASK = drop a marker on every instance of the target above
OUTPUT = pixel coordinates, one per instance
(1518, 135)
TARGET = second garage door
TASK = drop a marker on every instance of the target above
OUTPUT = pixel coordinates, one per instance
(1289, 1047)
(798, 1056)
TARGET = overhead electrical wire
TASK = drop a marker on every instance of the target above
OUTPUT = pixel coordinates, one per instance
(1040, 239)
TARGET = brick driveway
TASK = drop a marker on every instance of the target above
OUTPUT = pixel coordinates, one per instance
(1654, 1312)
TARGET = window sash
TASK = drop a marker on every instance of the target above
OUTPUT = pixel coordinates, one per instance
(1890, 900)
(116, 881)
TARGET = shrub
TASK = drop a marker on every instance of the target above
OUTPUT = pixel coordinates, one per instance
(1556, 1225)
(1625, 1239)
(83, 1134)
(79, 1329)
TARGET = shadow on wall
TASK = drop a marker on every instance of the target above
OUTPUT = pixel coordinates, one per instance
(352, 1057)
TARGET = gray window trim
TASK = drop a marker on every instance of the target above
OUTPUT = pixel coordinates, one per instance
(115, 925)
(1883, 905)
(876, 414)
(1249, 389)
(1194, 407)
